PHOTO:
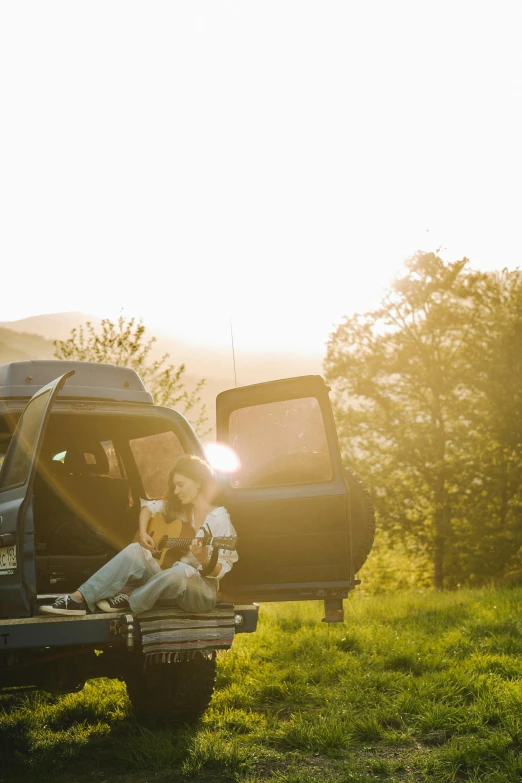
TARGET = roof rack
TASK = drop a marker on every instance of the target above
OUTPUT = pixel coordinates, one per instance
(92, 381)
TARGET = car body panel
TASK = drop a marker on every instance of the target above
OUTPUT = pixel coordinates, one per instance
(18, 585)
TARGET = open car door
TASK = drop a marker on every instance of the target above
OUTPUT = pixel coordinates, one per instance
(289, 501)
(17, 550)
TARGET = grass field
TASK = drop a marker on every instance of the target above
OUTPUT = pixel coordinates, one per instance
(412, 687)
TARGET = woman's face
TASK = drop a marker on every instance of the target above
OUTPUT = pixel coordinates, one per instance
(185, 488)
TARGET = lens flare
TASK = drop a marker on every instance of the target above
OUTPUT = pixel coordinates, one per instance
(222, 457)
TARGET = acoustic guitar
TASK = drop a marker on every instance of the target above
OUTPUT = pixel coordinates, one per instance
(173, 539)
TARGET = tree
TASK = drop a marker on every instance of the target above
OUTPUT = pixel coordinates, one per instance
(428, 398)
(124, 343)
(491, 534)
(400, 375)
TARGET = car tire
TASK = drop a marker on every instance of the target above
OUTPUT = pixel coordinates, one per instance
(177, 692)
(363, 519)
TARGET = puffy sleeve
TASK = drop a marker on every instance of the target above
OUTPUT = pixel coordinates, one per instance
(155, 506)
(219, 524)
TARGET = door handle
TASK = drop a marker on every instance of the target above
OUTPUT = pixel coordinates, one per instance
(7, 539)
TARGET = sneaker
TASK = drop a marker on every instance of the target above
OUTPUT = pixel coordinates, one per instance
(118, 603)
(65, 605)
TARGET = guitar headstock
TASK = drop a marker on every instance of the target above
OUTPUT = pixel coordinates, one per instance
(225, 542)
(221, 542)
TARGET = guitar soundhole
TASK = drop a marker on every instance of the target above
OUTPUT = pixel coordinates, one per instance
(161, 543)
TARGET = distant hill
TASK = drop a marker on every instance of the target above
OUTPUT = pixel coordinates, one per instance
(18, 347)
(30, 338)
(200, 360)
(52, 326)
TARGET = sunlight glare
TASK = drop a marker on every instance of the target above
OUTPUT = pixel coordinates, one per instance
(222, 458)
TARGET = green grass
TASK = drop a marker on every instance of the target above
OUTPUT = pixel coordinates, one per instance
(413, 687)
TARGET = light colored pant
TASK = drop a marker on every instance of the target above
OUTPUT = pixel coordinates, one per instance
(181, 583)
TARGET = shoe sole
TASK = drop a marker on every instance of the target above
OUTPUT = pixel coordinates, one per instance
(104, 606)
(64, 612)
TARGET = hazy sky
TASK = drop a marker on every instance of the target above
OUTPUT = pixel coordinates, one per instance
(274, 161)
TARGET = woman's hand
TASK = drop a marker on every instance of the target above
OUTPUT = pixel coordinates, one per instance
(200, 551)
(147, 542)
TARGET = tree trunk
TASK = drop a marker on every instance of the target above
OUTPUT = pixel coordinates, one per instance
(504, 491)
(440, 523)
(440, 515)
(438, 562)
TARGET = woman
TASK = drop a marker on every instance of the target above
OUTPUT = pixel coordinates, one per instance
(188, 581)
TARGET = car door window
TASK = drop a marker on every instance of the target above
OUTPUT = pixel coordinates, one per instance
(115, 465)
(280, 443)
(17, 463)
(155, 456)
(4, 444)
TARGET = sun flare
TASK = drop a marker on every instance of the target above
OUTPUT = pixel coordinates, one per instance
(222, 458)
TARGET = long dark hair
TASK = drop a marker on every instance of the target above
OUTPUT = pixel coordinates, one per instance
(194, 468)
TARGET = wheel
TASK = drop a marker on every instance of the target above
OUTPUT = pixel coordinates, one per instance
(177, 692)
(363, 519)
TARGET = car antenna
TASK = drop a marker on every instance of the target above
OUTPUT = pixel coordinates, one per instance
(233, 352)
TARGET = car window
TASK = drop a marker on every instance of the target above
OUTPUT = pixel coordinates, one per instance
(4, 444)
(154, 456)
(115, 465)
(17, 462)
(280, 443)
(100, 459)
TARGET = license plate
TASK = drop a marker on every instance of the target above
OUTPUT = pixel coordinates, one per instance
(7, 558)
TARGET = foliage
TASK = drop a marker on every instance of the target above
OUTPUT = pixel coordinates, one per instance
(125, 344)
(415, 686)
(490, 533)
(427, 401)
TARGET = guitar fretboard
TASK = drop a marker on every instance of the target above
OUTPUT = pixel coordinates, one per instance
(184, 543)
(181, 542)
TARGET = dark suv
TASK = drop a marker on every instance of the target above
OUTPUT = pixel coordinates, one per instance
(85, 441)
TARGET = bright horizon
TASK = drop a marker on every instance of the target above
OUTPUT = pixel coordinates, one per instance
(272, 163)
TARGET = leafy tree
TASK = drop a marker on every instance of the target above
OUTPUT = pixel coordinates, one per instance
(125, 344)
(401, 377)
(489, 541)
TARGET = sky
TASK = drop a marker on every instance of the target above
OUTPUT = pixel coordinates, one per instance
(269, 163)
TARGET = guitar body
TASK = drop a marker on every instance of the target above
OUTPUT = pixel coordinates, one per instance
(161, 530)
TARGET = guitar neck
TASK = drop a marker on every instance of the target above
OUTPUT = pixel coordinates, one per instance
(184, 543)
(179, 542)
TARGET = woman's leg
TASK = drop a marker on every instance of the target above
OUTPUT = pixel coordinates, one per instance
(111, 578)
(181, 583)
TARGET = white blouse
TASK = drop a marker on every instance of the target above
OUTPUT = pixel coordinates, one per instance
(156, 506)
(217, 523)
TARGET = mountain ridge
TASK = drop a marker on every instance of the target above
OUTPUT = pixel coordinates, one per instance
(20, 341)
(202, 361)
